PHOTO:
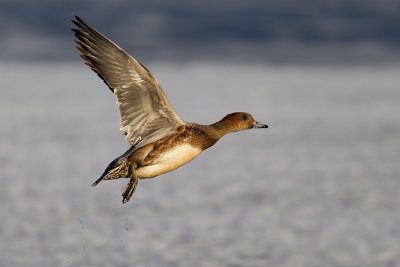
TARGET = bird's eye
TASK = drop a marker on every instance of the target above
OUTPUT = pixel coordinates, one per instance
(244, 117)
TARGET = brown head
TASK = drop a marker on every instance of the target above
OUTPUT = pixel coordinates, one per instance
(237, 121)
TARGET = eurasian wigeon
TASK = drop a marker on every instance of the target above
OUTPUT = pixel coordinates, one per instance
(160, 140)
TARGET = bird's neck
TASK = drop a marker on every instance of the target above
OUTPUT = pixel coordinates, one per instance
(222, 128)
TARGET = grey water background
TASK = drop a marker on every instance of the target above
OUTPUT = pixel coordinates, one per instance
(317, 188)
(331, 31)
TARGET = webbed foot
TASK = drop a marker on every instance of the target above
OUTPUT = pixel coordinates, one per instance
(131, 187)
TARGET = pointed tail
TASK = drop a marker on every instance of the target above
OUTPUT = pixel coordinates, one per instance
(118, 168)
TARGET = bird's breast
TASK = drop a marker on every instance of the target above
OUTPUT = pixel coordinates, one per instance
(169, 160)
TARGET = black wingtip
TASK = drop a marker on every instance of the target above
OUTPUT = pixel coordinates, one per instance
(77, 23)
(78, 19)
(80, 23)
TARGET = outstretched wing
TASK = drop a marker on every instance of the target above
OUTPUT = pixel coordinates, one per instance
(146, 113)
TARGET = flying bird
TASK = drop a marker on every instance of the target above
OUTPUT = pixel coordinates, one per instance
(160, 141)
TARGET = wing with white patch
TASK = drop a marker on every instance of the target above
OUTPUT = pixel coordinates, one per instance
(146, 113)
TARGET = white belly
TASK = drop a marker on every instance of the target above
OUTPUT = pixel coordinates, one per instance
(169, 161)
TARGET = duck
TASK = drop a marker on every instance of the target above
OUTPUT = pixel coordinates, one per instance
(160, 141)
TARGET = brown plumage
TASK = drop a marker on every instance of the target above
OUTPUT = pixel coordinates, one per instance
(160, 140)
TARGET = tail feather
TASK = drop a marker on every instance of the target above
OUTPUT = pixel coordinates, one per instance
(118, 168)
(98, 181)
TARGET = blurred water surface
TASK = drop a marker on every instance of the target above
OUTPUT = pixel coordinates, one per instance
(318, 188)
(253, 31)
